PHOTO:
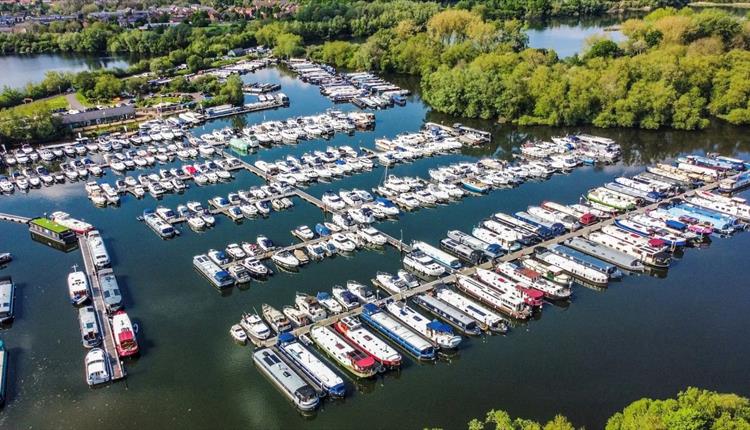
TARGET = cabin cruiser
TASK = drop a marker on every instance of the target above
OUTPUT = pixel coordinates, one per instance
(372, 236)
(332, 201)
(275, 318)
(423, 264)
(390, 283)
(78, 287)
(303, 232)
(256, 268)
(285, 259)
(124, 334)
(218, 257)
(329, 303)
(235, 251)
(343, 243)
(295, 316)
(97, 367)
(310, 306)
(345, 297)
(66, 220)
(265, 243)
(363, 293)
(255, 328)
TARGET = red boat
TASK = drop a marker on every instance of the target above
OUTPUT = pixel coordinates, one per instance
(124, 335)
(531, 296)
(353, 332)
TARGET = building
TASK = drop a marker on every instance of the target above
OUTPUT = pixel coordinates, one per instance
(52, 234)
(98, 116)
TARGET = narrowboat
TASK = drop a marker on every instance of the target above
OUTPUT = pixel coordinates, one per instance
(353, 359)
(288, 381)
(316, 371)
(353, 331)
(448, 313)
(7, 299)
(399, 333)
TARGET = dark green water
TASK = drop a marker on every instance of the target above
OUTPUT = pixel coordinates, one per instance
(641, 337)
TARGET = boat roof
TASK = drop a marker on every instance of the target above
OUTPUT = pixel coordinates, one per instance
(50, 225)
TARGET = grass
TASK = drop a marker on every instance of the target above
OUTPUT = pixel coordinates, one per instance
(49, 225)
(738, 5)
(28, 109)
(151, 101)
(82, 99)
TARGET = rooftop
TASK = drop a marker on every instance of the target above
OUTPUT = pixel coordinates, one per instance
(49, 225)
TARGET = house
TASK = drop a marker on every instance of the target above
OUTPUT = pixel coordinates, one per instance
(98, 116)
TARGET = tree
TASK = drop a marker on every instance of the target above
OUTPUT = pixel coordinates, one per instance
(160, 65)
(288, 45)
(107, 87)
(194, 63)
(232, 91)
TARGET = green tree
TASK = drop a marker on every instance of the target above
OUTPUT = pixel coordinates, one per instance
(232, 91)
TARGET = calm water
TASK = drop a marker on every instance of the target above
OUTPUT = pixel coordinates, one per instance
(641, 337)
(569, 36)
(19, 70)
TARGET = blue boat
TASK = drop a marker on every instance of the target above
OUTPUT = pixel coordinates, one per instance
(555, 227)
(647, 231)
(715, 163)
(409, 340)
(322, 230)
(720, 222)
(610, 269)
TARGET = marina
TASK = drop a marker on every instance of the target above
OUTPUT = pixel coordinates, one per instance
(281, 289)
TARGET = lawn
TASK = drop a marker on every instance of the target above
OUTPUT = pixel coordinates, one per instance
(57, 102)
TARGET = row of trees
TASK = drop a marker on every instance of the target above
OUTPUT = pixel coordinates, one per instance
(676, 69)
(692, 409)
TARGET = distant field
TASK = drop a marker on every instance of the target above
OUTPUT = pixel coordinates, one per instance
(739, 5)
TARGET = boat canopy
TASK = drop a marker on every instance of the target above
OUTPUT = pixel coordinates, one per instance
(436, 325)
(286, 337)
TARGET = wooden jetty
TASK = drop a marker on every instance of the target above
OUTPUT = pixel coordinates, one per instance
(97, 299)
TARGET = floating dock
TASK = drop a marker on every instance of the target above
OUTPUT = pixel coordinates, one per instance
(97, 299)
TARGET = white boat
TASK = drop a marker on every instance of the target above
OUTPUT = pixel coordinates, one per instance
(349, 357)
(78, 287)
(310, 306)
(439, 333)
(392, 284)
(238, 334)
(347, 299)
(275, 318)
(196, 222)
(511, 304)
(312, 366)
(97, 367)
(535, 280)
(235, 251)
(285, 259)
(342, 243)
(303, 232)
(352, 330)
(488, 318)
(363, 293)
(65, 220)
(255, 328)
(329, 303)
(421, 263)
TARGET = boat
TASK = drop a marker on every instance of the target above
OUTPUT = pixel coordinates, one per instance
(448, 313)
(440, 334)
(343, 243)
(316, 371)
(650, 255)
(301, 256)
(574, 268)
(96, 366)
(734, 183)
(437, 255)
(275, 318)
(533, 279)
(613, 199)
(610, 269)
(390, 283)
(218, 277)
(548, 271)
(363, 293)
(286, 260)
(296, 317)
(124, 335)
(398, 332)
(65, 220)
(310, 306)
(351, 358)
(89, 325)
(605, 253)
(287, 380)
(423, 264)
(78, 287)
(355, 333)
(5, 258)
(510, 287)
(110, 290)
(303, 233)
(508, 302)
(235, 251)
(7, 299)
(347, 299)
(487, 318)
(99, 253)
(255, 328)
(328, 302)
(238, 334)
(265, 243)
(257, 269)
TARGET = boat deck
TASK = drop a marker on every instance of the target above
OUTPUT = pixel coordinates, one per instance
(97, 298)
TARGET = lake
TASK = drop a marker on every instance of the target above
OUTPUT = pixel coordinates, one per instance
(644, 336)
(19, 70)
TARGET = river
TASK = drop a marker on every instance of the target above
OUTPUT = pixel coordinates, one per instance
(19, 70)
(644, 336)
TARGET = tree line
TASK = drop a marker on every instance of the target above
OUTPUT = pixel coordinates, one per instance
(676, 69)
(693, 409)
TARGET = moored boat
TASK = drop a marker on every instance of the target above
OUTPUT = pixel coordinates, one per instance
(353, 331)
(354, 360)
